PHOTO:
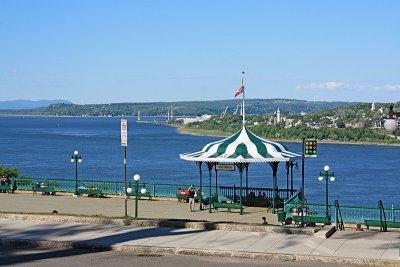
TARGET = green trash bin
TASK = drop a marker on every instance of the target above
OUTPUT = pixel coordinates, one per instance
(281, 216)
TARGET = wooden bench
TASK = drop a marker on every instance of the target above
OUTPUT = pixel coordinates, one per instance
(311, 219)
(46, 190)
(379, 223)
(140, 195)
(91, 192)
(7, 188)
(229, 206)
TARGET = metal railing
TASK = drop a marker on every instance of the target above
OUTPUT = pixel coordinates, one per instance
(155, 189)
(348, 214)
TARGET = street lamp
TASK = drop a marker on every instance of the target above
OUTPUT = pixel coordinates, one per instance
(77, 159)
(136, 177)
(391, 122)
(321, 178)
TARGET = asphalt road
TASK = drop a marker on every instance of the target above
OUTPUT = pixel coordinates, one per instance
(43, 257)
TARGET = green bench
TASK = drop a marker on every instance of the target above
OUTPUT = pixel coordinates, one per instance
(379, 223)
(229, 206)
(7, 188)
(91, 192)
(181, 197)
(140, 195)
(311, 219)
(46, 190)
(185, 197)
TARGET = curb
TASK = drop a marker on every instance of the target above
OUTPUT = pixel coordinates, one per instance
(150, 250)
(159, 223)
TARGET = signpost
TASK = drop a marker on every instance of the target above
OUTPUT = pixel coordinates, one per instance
(309, 151)
(124, 143)
(124, 132)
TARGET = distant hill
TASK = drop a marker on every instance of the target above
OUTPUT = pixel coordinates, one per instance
(183, 108)
(30, 104)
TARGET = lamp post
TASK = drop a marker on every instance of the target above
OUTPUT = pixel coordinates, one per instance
(332, 178)
(391, 122)
(136, 177)
(77, 159)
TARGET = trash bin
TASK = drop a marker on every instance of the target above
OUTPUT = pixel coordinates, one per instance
(281, 216)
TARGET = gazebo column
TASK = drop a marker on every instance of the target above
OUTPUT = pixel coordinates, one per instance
(274, 166)
(210, 167)
(287, 179)
(199, 163)
(240, 168)
(216, 182)
(247, 178)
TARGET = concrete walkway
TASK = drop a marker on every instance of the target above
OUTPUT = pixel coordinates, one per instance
(359, 249)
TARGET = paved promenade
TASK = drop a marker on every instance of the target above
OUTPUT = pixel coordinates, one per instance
(114, 207)
(365, 248)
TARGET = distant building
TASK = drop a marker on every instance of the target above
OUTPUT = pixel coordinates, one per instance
(278, 116)
(379, 124)
(359, 125)
(197, 119)
(373, 107)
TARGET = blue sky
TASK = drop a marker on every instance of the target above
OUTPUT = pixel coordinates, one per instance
(143, 51)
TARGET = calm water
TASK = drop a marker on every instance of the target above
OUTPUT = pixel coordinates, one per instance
(42, 147)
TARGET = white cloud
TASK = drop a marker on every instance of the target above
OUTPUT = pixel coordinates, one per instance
(327, 86)
(391, 87)
(331, 86)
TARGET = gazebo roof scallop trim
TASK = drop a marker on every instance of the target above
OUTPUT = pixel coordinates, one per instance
(242, 147)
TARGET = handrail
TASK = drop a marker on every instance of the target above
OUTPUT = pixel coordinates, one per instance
(292, 198)
(382, 216)
(339, 223)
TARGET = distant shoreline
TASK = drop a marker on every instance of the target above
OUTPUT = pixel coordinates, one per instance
(201, 132)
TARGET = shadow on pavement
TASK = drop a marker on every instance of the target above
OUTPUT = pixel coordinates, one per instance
(103, 236)
(10, 255)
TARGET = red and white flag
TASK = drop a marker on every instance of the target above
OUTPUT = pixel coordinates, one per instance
(241, 89)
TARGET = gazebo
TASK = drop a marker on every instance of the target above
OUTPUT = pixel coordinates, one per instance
(241, 149)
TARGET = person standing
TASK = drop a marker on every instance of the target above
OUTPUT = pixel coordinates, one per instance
(191, 199)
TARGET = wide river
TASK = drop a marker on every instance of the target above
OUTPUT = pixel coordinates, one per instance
(42, 147)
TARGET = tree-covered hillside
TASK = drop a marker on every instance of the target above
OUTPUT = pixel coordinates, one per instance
(185, 108)
(357, 123)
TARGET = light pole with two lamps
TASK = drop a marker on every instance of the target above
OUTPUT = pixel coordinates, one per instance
(332, 178)
(391, 123)
(77, 159)
(136, 178)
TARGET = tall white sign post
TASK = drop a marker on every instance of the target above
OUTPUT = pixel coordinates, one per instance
(124, 143)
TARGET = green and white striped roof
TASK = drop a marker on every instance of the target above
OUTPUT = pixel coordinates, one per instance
(242, 147)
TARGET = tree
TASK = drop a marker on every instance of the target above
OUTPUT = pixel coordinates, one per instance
(340, 123)
(9, 171)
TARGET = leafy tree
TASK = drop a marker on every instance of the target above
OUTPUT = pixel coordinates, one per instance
(9, 171)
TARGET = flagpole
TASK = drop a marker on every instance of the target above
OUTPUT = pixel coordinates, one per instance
(243, 113)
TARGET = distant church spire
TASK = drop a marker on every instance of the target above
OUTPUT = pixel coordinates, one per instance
(278, 116)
